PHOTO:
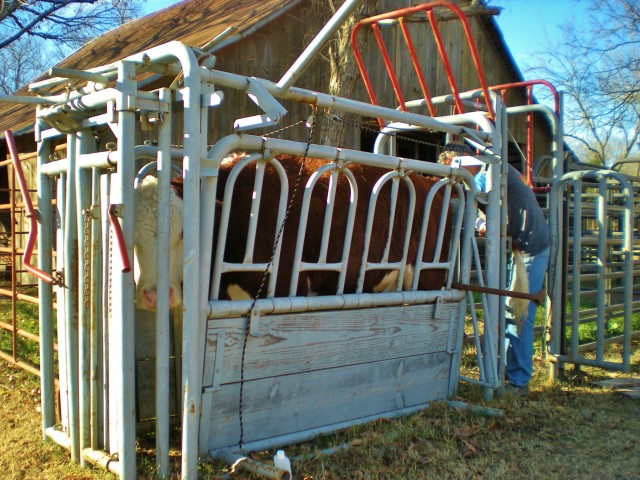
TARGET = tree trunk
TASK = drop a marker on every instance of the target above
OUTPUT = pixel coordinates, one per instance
(343, 73)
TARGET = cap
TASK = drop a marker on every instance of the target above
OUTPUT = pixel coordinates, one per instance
(466, 161)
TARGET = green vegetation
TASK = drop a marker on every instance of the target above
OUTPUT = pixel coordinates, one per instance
(571, 429)
(568, 429)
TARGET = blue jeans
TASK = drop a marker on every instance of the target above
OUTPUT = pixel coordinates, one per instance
(520, 349)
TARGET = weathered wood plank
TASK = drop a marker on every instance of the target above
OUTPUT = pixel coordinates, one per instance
(316, 340)
(279, 406)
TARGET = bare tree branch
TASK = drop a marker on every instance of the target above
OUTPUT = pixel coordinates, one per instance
(35, 34)
(598, 68)
(72, 22)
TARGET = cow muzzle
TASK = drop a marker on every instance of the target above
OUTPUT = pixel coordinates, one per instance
(147, 298)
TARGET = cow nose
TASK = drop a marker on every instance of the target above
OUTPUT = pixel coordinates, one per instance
(149, 298)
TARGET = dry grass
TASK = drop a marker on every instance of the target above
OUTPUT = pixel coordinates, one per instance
(571, 430)
(23, 454)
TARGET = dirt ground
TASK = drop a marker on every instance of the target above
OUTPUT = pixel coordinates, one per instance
(571, 430)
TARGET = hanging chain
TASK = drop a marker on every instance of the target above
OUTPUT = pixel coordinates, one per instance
(310, 123)
(366, 127)
(110, 275)
(86, 267)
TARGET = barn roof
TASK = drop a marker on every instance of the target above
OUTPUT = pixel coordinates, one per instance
(193, 22)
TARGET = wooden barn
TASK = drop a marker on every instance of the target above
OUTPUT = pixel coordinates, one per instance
(262, 38)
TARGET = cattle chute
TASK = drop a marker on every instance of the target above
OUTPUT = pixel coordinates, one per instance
(110, 417)
(321, 344)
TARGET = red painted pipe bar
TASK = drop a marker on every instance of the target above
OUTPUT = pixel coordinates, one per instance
(31, 214)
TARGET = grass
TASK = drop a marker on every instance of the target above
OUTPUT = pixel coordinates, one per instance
(571, 429)
(27, 315)
(568, 430)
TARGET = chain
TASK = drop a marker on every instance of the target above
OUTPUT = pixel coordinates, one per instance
(310, 122)
(110, 275)
(86, 292)
(366, 127)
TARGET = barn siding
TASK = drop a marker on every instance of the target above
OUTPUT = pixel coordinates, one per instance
(269, 51)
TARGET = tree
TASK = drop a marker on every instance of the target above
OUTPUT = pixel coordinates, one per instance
(72, 22)
(36, 34)
(20, 62)
(343, 73)
(598, 66)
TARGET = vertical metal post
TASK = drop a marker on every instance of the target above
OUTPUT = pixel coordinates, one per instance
(162, 312)
(122, 343)
(45, 306)
(558, 214)
(14, 266)
(466, 253)
(502, 120)
(577, 267)
(493, 254)
(106, 308)
(59, 221)
(207, 221)
(628, 274)
(603, 223)
(96, 319)
(71, 297)
(83, 199)
(193, 311)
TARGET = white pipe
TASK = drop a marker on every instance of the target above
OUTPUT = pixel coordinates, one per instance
(71, 299)
(122, 341)
(307, 435)
(224, 308)
(83, 201)
(97, 377)
(324, 100)
(329, 29)
(257, 144)
(475, 118)
(162, 380)
(45, 305)
(193, 339)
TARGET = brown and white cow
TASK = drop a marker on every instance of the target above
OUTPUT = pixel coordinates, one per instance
(244, 285)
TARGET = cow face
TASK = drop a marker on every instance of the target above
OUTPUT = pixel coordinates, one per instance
(145, 246)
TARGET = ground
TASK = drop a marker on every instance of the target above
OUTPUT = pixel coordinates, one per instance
(569, 430)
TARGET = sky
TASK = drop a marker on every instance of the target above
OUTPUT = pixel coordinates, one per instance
(528, 26)
(531, 26)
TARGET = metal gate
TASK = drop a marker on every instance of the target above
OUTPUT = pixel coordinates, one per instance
(596, 278)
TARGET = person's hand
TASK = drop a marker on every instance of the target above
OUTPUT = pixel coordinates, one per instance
(482, 230)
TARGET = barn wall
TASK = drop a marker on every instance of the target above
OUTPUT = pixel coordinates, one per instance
(269, 51)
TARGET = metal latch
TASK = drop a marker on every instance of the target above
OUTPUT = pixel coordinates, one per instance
(273, 110)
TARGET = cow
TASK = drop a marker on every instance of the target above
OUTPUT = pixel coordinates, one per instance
(245, 285)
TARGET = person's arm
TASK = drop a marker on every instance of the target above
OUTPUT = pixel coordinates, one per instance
(480, 181)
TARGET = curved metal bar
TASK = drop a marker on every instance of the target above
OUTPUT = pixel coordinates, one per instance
(31, 215)
(150, 167)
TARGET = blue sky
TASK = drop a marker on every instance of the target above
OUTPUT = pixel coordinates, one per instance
(528, 26)
(531, 26)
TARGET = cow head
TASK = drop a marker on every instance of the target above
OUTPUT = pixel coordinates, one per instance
(145, 246)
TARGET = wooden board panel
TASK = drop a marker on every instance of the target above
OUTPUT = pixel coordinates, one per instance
(309, 341)
(280, 406)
